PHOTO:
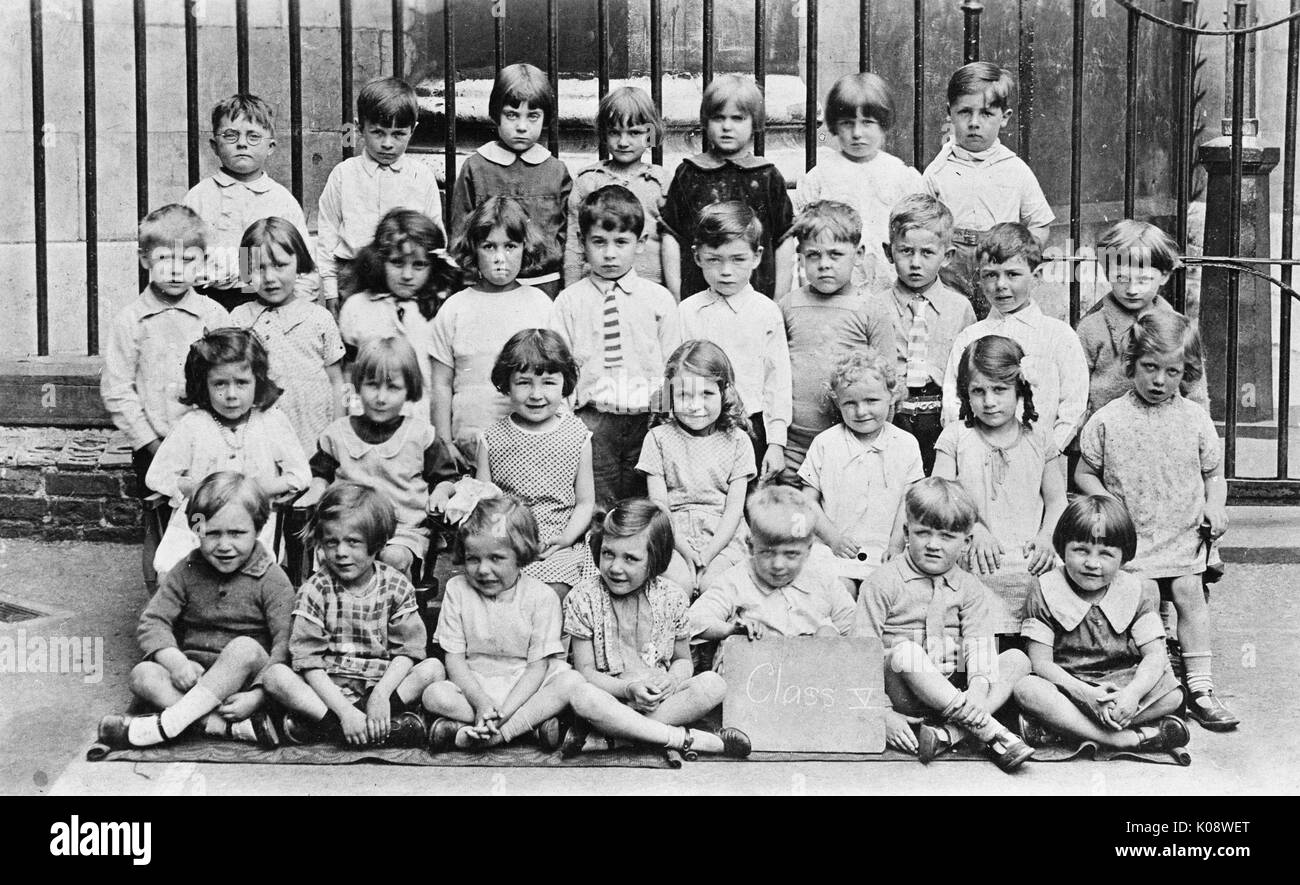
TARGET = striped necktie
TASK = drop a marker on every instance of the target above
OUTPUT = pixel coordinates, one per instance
(613, 340)
(917, 341)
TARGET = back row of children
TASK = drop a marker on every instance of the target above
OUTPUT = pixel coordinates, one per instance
(621, 331)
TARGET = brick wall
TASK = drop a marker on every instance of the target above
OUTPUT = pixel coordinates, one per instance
(67, 485)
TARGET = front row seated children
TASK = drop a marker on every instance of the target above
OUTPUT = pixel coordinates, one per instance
(1010, 468)
(698, 462)
(631, 641)
(214, 624)
(620, 328)
(234, 426)
(357, 645)
(1094, 638)
(398, 456)
(933, 620)
(500, 630)
(855, 472)
(747, 325)
(1158, 453)
(777, 592)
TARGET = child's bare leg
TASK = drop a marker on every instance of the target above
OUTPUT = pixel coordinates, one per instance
(932, 688)
(1193, 615)
(608, 716)
(681, 574)
(1041, 698)
(1162, 706)
(399, 557)
(549, 700)
(697, 696)
(422, 675)
(293, 692)
(152, 683)
(445, 699)
(242, 658)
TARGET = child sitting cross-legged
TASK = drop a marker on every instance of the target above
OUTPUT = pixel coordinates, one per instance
(934, 622)
(217, 620)
(356, 635)
(500, 630)
(631, 640)
(1095, 640)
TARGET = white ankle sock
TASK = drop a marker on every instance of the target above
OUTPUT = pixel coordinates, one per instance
(242, 730)
(144, 731)
(196, 703)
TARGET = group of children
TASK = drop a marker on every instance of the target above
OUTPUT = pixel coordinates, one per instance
(661, 413)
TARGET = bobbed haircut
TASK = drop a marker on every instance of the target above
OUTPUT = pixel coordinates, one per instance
(613, 208)
(224, 347)
(508, 214)
(382, 358)
(398, 231)
(1096, 519)
(629, 518)
(982, 78)
(864, 93)
(535, 352)
(855, 364)
(707, 360)
(1129, 245)
(1164, 331)
(839, 221)
(920, 212)
(504, 517)
(354, 504)
(267, 232)
(388, 101)
(720, 223)
(735, 88)
(997, 358)
(172, 225)
(1003, 242)
(225, 487)
(629, 106)
(780, 514)
(940, 504)
(246, 105)
(521, 84)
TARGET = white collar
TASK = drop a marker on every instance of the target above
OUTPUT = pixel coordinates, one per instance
(1119, 605)
(373, 166)
(497, 153)
(259, 185)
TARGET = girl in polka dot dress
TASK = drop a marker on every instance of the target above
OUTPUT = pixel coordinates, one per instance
(698, 462)
(542, 454)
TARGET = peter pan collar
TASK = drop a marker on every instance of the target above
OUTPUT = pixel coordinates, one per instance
(710, 162)
(259, 185)
(497, 153)
(374, 167)
(732, 303)
(1119, 605)
(190, 302)
(389, 448)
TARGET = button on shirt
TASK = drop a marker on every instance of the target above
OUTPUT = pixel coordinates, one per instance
(946, 314)
(144, 366)
(750, 330)
(987, 188)
(649, 331)
(1053, 365)
(813, 600)
(358, 193)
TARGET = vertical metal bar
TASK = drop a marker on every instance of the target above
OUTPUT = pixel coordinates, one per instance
(192, 90)
(241, 44)
(1186, 136)
(449, 106)
(295, 99)
(399, 39)
(602, 69)
(1234, 241)
(760, 65)
(1288, 236)
(657, 73)
(1025, 70)
(92, 177)
(1076, 151)
(971, 10)
(38, 178)
(1130, 114)
(707, 56)
(141, 121)
(918, 82)
(553, 72)
(345, 76)
(499, 34)
(864, 35)
(810, 98)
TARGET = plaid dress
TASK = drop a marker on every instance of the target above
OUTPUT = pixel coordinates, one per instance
(354, 636)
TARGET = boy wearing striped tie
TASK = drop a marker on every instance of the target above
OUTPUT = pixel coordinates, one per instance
(927, 315)
(621, 329)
